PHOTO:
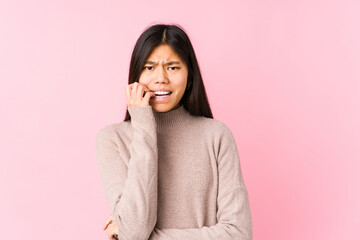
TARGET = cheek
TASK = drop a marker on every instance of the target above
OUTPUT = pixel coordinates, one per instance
(180, 81)
(144, 79)
(181, 86)
(184, 80)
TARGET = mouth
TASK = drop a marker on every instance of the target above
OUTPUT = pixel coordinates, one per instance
(161, 96)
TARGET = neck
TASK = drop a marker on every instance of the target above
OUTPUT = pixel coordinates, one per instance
(176, 117)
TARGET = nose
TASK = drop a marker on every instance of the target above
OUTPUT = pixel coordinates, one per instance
(161, 75)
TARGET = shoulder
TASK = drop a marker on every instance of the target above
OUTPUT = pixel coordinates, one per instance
(218, 135)
(217, 127)
(214, 131)
(113, 131)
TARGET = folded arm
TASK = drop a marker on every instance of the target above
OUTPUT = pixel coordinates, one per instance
(233, 214)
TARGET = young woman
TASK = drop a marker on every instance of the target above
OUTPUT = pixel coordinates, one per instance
(169, 170)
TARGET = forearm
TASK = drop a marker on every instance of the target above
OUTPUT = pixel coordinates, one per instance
(136, 210)
(234, 222)
(129, 174)
(218, 231)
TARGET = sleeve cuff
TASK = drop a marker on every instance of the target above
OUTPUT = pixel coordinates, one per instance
(142, 115)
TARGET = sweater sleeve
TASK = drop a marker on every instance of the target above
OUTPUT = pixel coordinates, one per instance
(131, 186)
(233, 214)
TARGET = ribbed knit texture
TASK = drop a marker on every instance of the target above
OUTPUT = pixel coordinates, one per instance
(171, 175)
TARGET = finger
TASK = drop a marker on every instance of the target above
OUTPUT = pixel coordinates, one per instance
(148, 95)
(106, 224)
(127, 93)
(130, 89)
(140, 91)
(113, 228)
(111, 231)
(108, 221)
(133, 92)
(145, 89)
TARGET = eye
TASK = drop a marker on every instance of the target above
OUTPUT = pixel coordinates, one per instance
(147, 67)
(173, 68)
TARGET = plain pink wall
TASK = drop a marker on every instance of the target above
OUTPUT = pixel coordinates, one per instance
(283, 75)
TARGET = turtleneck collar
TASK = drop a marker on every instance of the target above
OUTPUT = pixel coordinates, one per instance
(174, 118)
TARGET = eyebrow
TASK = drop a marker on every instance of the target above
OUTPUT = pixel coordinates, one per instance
(166, 64)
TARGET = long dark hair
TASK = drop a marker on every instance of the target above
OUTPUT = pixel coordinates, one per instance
(194, 100)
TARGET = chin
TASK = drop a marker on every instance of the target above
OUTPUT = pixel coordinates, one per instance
(162, 107)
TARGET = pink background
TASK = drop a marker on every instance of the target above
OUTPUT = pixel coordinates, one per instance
(283, 75)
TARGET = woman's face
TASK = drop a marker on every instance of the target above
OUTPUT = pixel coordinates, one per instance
(164, 71)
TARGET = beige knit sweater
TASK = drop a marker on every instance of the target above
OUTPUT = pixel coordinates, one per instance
(171, 175)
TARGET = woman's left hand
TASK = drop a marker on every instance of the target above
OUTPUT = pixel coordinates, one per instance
(111, 228)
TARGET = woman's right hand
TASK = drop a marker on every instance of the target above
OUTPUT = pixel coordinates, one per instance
(135, 95)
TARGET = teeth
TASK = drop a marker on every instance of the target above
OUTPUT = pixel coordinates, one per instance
(161, 92)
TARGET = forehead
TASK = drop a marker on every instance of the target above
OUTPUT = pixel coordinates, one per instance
(163, 52)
